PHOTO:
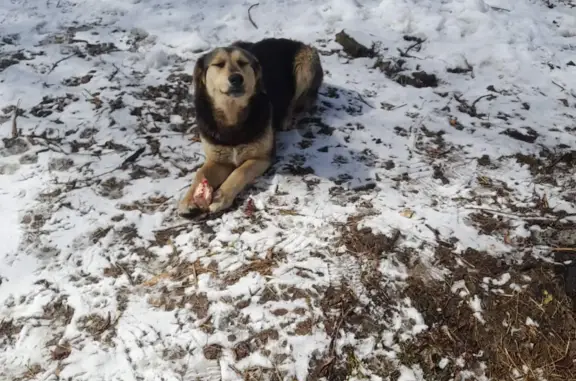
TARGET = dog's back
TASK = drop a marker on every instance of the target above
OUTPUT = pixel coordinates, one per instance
(292, 74)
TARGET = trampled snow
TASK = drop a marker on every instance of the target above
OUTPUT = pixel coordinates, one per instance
(94, 258)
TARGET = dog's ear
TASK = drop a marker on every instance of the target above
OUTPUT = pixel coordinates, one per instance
(199, 75)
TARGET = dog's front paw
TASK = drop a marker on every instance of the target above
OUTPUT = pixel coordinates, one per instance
(187, 208)
(196, 200)
(220, 202)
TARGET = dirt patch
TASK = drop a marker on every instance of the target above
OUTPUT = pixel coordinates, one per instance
(30, 372)
(8, 333)
(547, 162)
(513, 320)
(165, 100)
(394, 69)
(59, 311)
(262, 266)
(345, 315)
(49, 105)
(363, 242)
(112, 188)
(94, 324)
(13, 58)
(77, 81)
(151, 205)
(14, 146)
(170, 299)
(213, 352)
(488, 223)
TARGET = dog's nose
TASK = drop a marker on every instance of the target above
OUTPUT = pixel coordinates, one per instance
(236, 79)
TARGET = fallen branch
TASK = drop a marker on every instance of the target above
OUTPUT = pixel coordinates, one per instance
(14, 117)
(564, 249)
(470, 109)
(117, 69)
(60, 61)
(132, 158)
(562, 87)
(250, 16)
(417, 44)
(361, 99)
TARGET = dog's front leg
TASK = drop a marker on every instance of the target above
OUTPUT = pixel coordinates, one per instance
(237, 181)
(215, 174)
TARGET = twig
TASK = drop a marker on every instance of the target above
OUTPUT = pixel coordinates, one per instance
(250, 16)
(128, 275)
(564, 249)
(405, 54)
(111, 77)
(511, 214)
(470, 109)
(498, 9)
(52, 144)
(132, 158)
(361, 99)
(14, 117)
(563, 89)
(107, 325)
(343, 316)
(61, 60)
(480, 98)
(558, 160)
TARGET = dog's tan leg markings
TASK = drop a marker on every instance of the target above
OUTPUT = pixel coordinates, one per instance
(215, 174)
(237, 181)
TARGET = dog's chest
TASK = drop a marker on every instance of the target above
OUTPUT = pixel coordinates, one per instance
(238, 154)
(232, 155)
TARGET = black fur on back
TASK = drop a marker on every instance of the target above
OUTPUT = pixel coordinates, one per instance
(252, 124)
(276, 57)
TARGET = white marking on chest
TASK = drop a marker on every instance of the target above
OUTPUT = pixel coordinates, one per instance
(235, 158)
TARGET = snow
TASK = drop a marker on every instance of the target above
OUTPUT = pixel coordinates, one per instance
(62, 245)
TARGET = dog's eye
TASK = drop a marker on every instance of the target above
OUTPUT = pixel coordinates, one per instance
(219, 64)
(242, 63)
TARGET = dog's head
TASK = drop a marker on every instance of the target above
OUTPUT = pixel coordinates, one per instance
(228, 73)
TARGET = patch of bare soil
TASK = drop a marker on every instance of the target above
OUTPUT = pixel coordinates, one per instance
(170, 98)
(9, 331)
(503, 320)
(548, 165)
(344, 314)
(487, 317)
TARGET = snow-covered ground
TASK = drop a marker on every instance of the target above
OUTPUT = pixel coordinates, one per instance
(101, 280)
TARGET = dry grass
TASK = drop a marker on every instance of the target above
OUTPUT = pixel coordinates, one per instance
(262, 266)
(507, 341)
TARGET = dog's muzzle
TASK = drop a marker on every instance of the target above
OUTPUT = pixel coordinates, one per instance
(236, 82)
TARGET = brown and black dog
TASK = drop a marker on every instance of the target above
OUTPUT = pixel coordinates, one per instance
(243, 93)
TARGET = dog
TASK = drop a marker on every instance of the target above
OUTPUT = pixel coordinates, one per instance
(243, 94)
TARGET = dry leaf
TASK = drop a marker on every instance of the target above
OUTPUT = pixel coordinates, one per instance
(408, 213)
(156, 279)
(61, 352)
(548, 298)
